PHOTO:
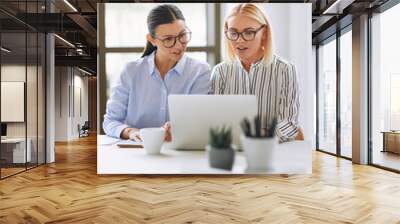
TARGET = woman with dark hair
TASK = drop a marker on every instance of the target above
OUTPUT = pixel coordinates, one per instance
(139, 100)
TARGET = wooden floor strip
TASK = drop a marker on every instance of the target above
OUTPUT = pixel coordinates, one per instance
(70, 191)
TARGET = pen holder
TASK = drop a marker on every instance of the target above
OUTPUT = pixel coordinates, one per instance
(259, 153)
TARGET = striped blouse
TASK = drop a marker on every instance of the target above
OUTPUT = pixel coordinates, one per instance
(275, 86)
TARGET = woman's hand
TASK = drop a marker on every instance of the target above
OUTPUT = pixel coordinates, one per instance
(300, 135)
(131, 133)
(167, 128)
(135, 136)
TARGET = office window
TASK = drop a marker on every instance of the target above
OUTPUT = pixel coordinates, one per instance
(126, 23)
(115, 63)
(346, 94)
(126, 28)
(327, 97)
(385, 87)
(394, 101)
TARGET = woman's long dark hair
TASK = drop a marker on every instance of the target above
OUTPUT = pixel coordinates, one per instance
(162, 14)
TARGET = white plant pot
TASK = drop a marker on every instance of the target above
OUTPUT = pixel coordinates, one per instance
(258, 152)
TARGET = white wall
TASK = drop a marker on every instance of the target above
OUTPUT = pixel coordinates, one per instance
(80, 84)
(69, 81)
(17, 73)
(61, 103)
(291, 30)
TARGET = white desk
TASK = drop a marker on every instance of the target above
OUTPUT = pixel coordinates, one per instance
(18, 149)
(290, 158)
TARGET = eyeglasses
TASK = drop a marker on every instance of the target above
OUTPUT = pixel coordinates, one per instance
(247, 35)
(183, 38)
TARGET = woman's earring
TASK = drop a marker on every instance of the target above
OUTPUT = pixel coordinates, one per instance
(263, 48)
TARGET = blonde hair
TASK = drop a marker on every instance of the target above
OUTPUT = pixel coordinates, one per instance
(252, 11)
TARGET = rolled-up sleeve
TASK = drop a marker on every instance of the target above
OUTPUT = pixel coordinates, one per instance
(201, 84)
(289, 105)
(114, 119)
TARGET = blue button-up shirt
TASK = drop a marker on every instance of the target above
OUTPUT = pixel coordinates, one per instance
(140, 96)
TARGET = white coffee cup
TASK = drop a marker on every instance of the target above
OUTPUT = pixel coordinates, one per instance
(153, 139)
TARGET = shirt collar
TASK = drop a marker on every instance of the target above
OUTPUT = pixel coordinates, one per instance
(256, 64)
(178, 68)
(180, 65)
(151, 63)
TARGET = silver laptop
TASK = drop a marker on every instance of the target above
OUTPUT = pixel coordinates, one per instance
(192, 116)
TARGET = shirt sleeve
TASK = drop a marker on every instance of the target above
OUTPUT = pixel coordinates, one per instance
(201, 84)
(289, 105)
(114, 119)
(217, 82)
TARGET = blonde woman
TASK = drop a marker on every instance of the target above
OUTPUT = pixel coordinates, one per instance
(254, 69)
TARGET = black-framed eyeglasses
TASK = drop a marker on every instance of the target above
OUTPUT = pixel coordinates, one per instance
(247, 35)
(170, 41)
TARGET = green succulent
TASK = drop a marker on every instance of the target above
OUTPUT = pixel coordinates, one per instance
(220, 137)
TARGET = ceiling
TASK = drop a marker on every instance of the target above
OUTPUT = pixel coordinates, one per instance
(331, 16)
(76, 22)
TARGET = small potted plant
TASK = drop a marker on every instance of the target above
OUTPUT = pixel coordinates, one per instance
(258, 144)
(221, 153)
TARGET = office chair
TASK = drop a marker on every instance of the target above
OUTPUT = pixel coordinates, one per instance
(84, 130)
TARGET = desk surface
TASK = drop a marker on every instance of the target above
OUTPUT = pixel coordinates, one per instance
(290, 158)
(390, 132)
(13, 140)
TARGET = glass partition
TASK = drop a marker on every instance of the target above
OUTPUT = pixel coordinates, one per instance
(23, 91)
(346, 94)
(327, 97)
(385, 89)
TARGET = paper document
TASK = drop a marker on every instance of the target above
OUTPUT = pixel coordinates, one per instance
(107, 140)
